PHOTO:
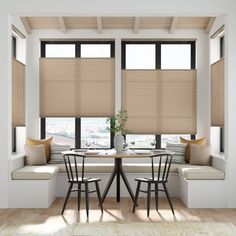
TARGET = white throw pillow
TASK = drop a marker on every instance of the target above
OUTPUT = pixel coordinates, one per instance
(178, 150)
(35, 155)
(200, 155)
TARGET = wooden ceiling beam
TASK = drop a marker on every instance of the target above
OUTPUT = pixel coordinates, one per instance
(136, 24)
(62, 24)
(26, 24)
(99, 25)
(173, 24)
(210, 24)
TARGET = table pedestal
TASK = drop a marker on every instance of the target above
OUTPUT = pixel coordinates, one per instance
(117, 172)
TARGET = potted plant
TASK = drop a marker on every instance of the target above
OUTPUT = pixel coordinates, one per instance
(117, 127)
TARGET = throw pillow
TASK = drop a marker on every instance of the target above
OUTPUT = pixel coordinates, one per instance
(35, 155)
(200, 155)
(201, 141)
(178, 150)
(56, 153)
(46, 142)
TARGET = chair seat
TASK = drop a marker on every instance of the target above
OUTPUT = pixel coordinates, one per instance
(85, 180)
(150, 180)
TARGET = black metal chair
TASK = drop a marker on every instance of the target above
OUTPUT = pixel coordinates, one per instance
(74, 164)
(161, 177)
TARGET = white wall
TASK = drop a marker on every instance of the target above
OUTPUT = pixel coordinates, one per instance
(114, 8)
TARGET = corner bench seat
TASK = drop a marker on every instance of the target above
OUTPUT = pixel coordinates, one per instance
(189, 172)
(45, 172)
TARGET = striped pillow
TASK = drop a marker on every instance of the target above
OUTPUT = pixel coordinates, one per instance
(179, 152)
(56, 156)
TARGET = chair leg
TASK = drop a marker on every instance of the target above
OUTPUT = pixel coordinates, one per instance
(67, 197)
(168, 198)
(87, 199)
(79, 195)
(148, 198)
(99, 196)
(136, 195)
(156, 195)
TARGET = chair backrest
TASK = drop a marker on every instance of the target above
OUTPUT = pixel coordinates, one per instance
(74, 164)
(164, 162)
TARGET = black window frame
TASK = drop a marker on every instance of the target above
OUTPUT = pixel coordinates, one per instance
(77, 55)
(222, 54)
(158, 44)
(14, 45)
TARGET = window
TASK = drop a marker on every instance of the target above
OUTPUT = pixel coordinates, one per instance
(80, 131)
(95, 133)
(95, 50)
(60, 50)
(139, 56)
(172, 138)
(141, 141)
(62, 130)
(175, 56)
(14, 46)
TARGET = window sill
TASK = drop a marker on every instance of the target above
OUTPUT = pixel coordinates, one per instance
(220, 155)
(15, 156)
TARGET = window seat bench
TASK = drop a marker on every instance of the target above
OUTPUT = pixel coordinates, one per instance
(197, 186)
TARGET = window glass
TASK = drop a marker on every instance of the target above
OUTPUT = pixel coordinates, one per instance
(140, 56)
(60, 50)
(95, 50)
(141, 141)
(62, 130)
(175, 56)
(172, 138)
(94, 133)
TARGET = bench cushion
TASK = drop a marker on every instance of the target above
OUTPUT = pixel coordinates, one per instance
(35, 173)
(192, 172)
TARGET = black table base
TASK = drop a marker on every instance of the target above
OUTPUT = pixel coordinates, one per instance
(117, 172)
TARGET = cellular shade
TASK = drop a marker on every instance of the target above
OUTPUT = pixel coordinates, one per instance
(18, 93)
(76, 87)
(160, 101)
(217, 93)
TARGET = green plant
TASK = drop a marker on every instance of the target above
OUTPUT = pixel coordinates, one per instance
(117, 122)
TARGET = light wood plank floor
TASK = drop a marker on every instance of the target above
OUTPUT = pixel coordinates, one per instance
(115, 212)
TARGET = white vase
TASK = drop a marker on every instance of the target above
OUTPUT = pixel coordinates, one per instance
(118, 142)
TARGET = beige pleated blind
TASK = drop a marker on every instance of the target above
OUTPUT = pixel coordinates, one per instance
(178, 104)
(97, 86)
(18, 93)
(160, 101)
(58, 87)
(217, 93)
(140, 99)
(72, 87)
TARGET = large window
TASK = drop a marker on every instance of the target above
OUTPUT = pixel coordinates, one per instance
(141, 141)
(60, 50)
(140, 56)
(62, 130)
(77, 132)
(90, 50)
(94, 133)
(157, 55)
(175, 56)
(172, 138)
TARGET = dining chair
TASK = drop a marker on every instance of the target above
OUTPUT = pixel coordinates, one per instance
(159, 178)
(74, 164)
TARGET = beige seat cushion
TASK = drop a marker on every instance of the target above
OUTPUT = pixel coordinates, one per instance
(35, 173)
(192, 172)
(108, 167)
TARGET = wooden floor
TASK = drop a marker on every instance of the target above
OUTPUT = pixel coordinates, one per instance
(115, 212)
